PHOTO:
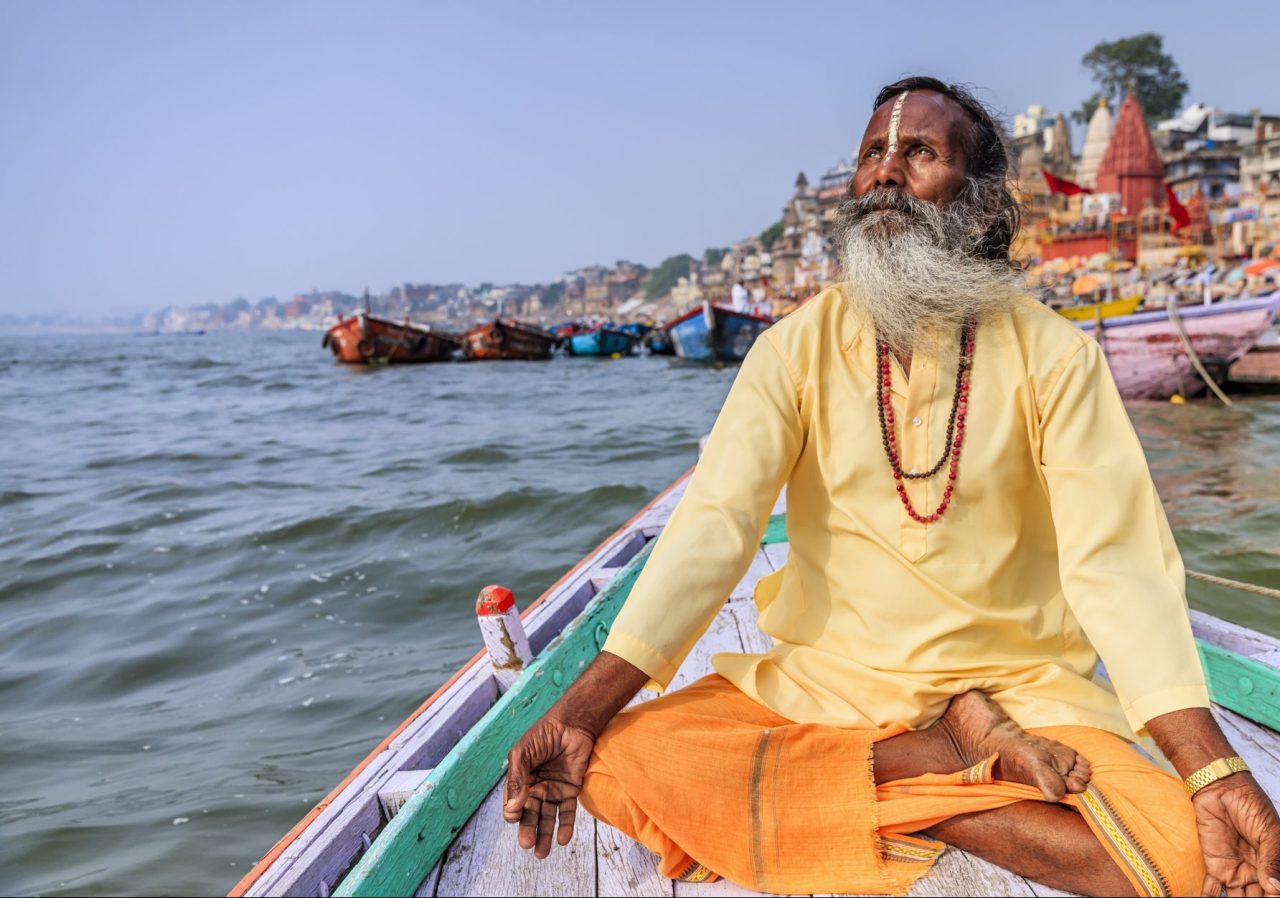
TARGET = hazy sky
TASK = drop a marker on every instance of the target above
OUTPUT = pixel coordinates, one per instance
(183, 152)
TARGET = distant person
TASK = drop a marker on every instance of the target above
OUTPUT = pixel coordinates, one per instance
(739, 297)
(937, 628)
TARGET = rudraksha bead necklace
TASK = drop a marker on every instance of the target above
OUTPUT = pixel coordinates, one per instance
(955, 425)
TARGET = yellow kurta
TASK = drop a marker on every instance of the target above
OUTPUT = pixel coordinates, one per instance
(1055, 541)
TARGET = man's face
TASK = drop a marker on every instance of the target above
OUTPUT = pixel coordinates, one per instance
(920, 153)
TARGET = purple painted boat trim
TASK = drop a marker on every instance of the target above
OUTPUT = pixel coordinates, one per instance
(1146, 355)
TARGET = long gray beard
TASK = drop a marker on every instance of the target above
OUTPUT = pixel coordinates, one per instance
(909, 269)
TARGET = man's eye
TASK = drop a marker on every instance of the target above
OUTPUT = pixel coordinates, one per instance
(923, 152)
(871, 153)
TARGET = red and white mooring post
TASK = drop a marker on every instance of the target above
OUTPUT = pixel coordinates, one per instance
(504, 636)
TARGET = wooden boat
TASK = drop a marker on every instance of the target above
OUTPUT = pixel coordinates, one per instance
(714, 333)
(603, 341)
(1092, 311)
(1146, 353)
(505, 338)
(366, 339)
(422, 814)
(659, 342)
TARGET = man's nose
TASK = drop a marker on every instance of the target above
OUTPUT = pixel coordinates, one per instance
(891, 172)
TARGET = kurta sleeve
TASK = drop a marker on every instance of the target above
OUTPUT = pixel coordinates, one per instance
(708, 544)
(1121, 572)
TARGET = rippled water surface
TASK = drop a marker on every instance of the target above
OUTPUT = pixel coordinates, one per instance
(230, 567)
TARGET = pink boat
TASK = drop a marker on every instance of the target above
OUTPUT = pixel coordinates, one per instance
(1146, 355)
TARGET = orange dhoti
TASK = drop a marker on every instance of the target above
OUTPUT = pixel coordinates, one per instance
(717, 784)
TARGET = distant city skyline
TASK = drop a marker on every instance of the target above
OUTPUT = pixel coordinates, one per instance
(159, 153)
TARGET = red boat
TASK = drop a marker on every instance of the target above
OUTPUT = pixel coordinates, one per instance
(508, 339)
(366, 339)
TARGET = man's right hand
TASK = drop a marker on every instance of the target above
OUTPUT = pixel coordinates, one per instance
(545, 769)
(544, 776)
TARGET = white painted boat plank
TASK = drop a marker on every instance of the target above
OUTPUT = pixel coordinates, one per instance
(485, 860)
(747, 619)
(780, 504)
(428, 887)
(1241, 640)
(721, 636)
(625, 867)
(760, 567)
(721, 888)
(958, 873)
(777, 554)
(1259, 746)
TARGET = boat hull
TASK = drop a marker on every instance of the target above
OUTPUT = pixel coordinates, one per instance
(508, 340)
(601, 342)
(1146, 355)
(715, 334)
(1093, 311)
(369, 340)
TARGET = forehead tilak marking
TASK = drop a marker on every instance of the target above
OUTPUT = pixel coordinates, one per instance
(895, 119)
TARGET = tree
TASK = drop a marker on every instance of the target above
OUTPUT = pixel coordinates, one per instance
(1138, 62)
(713, 256)
(769, 236)
(664, 277)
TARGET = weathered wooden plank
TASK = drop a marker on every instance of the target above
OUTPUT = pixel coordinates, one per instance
(1241, 640)
(721, 888)
(625, 867)
(748, 628)
(780, 504)
(721, 636)
(485, 859)
(1258, 746)
(760, 567)
(958, 873)
(1242, 684)
(777, 553)
(1044, 891)
(427, 824)
(427, 889)
(398, 789)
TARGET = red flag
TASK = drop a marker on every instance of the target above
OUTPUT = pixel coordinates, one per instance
(1062, 185)
(1178, 212)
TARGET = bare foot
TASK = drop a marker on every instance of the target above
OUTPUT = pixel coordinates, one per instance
(977, 727)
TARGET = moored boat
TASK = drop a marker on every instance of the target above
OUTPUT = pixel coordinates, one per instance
(506, 338)
(1109, 309)
(659, 342)
(366, 339)
(1146, 352)
(602, 341)
(422, 814)
(712, 333)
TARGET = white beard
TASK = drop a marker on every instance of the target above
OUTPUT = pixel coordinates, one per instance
(909, 273)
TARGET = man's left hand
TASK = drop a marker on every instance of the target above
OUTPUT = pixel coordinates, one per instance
(1240, 837)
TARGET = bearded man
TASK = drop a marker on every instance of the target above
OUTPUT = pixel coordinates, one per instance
(938, 625)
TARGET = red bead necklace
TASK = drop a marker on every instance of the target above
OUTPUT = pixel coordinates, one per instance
(955, 425)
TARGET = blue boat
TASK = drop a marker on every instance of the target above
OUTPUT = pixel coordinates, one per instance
(606, 341)
(715, 334)
(659, 342)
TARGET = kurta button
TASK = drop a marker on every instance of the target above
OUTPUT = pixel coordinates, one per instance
(917, 421)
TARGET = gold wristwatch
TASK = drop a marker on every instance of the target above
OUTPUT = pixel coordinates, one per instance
(1212, 772)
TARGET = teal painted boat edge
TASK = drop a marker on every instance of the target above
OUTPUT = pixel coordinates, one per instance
(1243, 685)
(416, 838)
(1240, 684)
(776, 531)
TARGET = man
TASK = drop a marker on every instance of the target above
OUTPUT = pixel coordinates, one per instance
(932, 676)
(739, 297)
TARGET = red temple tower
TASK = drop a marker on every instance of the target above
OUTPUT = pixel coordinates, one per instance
(1132, 166)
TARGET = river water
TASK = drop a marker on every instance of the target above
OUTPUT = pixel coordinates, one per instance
(230, 567)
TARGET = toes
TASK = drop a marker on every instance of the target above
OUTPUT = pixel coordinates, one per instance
(1050, 783)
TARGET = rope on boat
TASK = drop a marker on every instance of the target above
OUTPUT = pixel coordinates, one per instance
(1235, 584)
(1176, 319)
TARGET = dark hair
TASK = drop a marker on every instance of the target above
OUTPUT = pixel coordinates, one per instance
(987, 161)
